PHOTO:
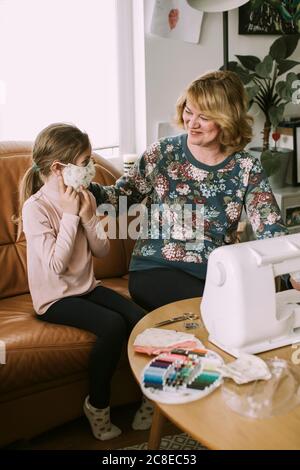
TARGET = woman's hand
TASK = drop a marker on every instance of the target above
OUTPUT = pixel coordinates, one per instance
(69, 199)
(86, 211)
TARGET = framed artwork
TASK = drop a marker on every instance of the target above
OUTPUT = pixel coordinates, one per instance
(269, 17)
(176, 19)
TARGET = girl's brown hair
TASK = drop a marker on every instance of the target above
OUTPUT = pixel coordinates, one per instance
(221, 97)
(59, 141)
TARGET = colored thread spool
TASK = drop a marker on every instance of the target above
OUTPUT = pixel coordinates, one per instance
(161, 364)
(175, 357)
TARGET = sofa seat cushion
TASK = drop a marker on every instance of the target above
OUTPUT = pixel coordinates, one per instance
(39, 354)
(118, 284)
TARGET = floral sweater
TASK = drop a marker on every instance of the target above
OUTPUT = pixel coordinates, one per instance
(167, 173)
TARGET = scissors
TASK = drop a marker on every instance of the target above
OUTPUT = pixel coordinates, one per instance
(184, 316)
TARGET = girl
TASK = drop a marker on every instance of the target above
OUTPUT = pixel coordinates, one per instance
(60, 224)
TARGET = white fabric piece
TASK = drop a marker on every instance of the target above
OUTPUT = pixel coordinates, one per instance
(161, 338)
(246, 369)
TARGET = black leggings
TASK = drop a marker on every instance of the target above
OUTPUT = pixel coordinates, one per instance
(152, 288)
(111, 318)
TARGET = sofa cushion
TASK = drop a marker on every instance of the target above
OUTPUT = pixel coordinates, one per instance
(38, 353)
(14, 160)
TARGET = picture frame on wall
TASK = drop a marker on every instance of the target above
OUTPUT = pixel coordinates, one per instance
(176, 19)
(267, 18)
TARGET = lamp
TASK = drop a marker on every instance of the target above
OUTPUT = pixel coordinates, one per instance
(217, 6)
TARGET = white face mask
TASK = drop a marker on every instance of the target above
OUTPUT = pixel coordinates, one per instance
(77, 176)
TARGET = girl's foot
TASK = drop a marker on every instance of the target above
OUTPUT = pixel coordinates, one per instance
(100, 423)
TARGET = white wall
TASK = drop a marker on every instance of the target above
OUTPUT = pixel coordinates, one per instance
(171, 64)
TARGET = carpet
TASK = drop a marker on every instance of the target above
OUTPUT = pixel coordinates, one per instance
(176, 442)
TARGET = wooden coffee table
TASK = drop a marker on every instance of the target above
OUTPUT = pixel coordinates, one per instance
(209, 420)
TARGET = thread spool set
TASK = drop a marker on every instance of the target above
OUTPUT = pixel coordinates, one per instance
(182, 375)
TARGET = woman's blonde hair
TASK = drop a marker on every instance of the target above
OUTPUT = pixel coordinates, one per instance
(59, 141)
(221, 97)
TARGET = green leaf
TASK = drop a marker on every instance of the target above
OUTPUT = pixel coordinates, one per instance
(284, 90)
(284, 46)
(270, 161)
(285, 65)
(278, 49)
(291, 43)
(276, 114)
(264, 68)
(244, 75)
(248, 61)
(231, 66)
(291, 77)
(252, 92)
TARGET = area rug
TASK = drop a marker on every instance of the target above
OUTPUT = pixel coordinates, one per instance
(176, 442)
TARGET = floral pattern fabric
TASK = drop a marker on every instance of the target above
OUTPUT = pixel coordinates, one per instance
(168, 174)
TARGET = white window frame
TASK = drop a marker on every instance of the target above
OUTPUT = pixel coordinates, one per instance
(132, 83)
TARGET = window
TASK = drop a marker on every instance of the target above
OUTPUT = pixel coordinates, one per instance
(59, 63)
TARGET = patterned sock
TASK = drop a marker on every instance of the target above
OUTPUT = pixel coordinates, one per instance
(143, 417)
(100, 423)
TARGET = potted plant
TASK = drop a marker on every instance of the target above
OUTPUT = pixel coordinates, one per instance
(265, 86)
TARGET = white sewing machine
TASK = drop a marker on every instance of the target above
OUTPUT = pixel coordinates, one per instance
(240, 308)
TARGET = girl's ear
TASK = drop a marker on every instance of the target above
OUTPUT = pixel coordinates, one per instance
(56, 168)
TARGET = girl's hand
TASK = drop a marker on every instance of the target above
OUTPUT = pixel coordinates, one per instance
(69, 199)
(86, 211)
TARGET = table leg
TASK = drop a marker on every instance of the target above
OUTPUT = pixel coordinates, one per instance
(156, 429)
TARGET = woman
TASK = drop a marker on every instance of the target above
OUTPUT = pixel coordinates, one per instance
(205, 166)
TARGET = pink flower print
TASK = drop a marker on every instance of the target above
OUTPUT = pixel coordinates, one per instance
(272, 218)
(255, 220)
(246, 164)
(193, 173)
(173, 252)
(183, 189)
(152, 154)
(233, 211)
(174, 170)
(161, 185)
(142, 185)
(192, 258)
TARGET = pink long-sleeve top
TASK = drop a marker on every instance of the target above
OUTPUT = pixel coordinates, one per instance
(59, 248)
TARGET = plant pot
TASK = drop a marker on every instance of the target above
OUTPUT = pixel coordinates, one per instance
(277, 179)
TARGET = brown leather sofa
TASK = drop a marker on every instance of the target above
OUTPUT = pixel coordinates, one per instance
(44, 380)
